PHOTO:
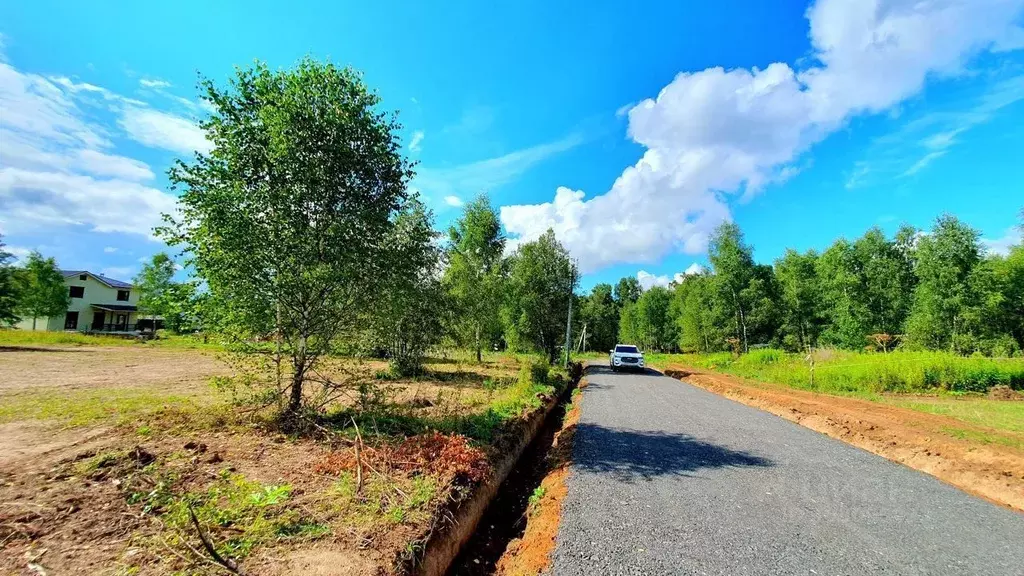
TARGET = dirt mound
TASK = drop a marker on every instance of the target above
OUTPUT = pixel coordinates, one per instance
(1004, 393)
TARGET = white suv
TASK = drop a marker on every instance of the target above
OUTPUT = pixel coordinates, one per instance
(625, 356)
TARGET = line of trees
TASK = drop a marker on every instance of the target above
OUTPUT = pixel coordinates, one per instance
(33, 290)
(937, 290)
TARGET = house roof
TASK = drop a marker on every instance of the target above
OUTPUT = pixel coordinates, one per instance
(108, 281)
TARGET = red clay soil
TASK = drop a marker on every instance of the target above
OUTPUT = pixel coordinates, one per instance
(916, 439)
(531, 553)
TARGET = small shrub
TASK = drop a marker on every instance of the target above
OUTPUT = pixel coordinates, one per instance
(539, 372)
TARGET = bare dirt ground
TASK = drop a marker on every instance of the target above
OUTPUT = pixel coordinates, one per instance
(915, 439)
(75, 499)
(71, 368)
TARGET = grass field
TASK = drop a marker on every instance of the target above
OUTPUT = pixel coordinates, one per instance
(932, 382)
(9, 337)
(836, 371)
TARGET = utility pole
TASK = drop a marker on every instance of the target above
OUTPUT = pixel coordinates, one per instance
(568, 318)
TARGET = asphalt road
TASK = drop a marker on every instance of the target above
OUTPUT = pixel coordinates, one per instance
(668, 478)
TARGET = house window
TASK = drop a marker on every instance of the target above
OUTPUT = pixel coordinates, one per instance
(78, 291)
(71, 321)
(122, 295)
(83, 276)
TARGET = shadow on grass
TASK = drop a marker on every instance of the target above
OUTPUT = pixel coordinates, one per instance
(629, 455)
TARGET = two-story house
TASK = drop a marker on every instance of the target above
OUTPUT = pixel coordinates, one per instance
(97, 304)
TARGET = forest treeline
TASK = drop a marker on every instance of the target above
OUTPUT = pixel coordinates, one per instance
(936, 289)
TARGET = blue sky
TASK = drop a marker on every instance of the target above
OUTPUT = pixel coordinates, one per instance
(631, 130)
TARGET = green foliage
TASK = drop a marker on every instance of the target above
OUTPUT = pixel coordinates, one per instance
(600, 313)
(536, 372)
(240, 514)
(949, 297)
(541, 281)
(851, 372)
(800, 292)
(9, 290)
(287, 218)
(408, 312)
(475, 275)
(700, 320)
(735, 271)
(916, 291)
(41, 289)
(648, 322)
(154, 283)
(627, 291)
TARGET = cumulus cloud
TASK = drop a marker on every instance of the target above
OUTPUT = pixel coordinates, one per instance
(717, 132)
(58, 199)
(1001, 246)
(417, 140)
(109, 250)
(453, 201)
(648, 280)
(163, 130)
(58, 165)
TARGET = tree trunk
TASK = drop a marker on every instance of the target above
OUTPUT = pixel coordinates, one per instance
(33, 323)
(477, 340)
(299, 363)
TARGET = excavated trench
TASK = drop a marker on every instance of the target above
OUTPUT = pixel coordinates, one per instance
(506, 517)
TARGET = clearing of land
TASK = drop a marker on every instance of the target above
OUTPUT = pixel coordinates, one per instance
(972, 440)
(128, 458)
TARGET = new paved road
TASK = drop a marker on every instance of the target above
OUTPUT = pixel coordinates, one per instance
(671, 479)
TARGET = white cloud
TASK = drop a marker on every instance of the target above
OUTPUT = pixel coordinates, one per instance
(691, 270)
(453, 201)
(923, 162)
(31, 199)
(648, 280)
(417, 139)
(154, 83)
(109, 250)
(162, 130)
(486, 175)
(57, 167)
(1001, 246)
(921, 141)
(716, 132)
(20, 253)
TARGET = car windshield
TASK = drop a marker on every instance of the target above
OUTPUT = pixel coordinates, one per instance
(626, 349)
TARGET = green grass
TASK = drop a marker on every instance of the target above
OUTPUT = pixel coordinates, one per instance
(241, 514)
(506, 401)
(864, 373)
(166, 340)
(117, 406)
(999, 414)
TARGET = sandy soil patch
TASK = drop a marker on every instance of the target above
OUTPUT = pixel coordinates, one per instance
(918, 440)
(26, 369)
